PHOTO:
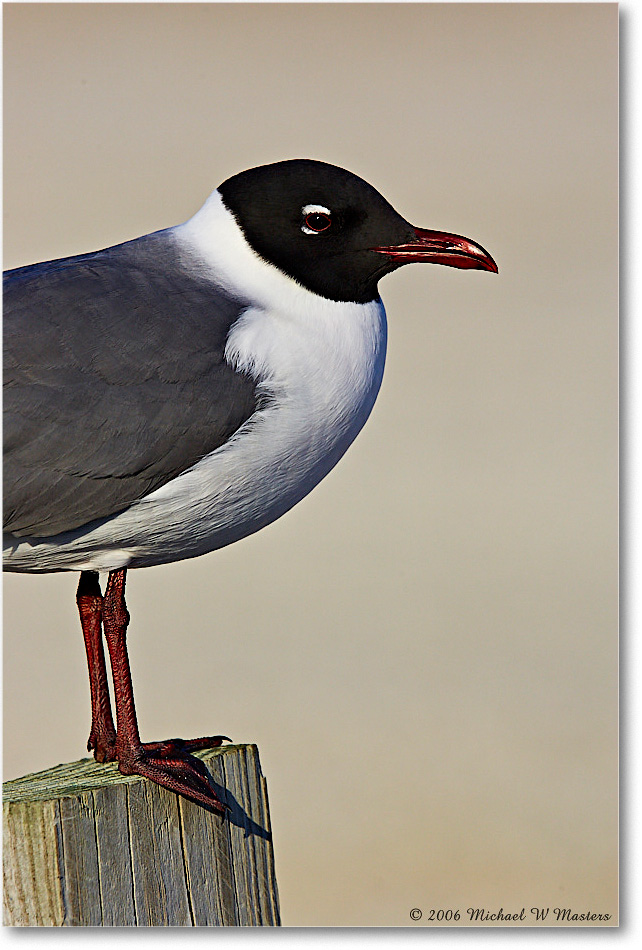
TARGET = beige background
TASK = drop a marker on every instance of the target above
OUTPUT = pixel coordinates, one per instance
(424, 649)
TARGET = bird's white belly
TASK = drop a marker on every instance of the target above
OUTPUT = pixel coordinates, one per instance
(318, 373)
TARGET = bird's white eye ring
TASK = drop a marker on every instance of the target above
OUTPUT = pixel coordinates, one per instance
(316, 218)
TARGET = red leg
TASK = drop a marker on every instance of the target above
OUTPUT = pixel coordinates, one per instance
(102, 738)
(167, 763)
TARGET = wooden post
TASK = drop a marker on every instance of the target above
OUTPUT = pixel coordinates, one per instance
(85, 846)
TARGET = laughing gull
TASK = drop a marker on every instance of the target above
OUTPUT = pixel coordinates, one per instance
(170, 395)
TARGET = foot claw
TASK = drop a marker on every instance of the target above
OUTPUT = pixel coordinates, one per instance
(182, 773)
(104, 749)
(170, 747)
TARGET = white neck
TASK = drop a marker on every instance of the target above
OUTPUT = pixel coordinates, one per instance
(218, 247)
(284, 328)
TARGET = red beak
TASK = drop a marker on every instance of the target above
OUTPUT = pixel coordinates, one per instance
(439, 247)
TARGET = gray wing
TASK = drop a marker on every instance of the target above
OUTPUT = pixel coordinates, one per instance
(114, 382)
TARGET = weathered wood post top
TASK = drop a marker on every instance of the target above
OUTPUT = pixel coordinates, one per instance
(87, 846)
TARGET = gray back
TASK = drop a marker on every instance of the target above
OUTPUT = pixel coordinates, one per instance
(114, 382)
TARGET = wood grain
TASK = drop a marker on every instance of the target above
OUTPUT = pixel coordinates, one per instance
(85, 846)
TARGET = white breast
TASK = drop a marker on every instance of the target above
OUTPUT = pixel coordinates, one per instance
(318, 365)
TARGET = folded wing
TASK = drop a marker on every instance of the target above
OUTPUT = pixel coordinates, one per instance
(114, 382)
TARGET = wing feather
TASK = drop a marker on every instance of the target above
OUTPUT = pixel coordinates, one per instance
(114, 382)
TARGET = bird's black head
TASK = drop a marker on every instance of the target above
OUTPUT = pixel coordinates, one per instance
(333, 232)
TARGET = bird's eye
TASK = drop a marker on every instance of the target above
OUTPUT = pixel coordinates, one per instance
(318, 222)
(316, 219)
